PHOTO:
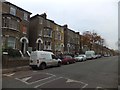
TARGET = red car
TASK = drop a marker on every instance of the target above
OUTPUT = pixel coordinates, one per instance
(68, 59)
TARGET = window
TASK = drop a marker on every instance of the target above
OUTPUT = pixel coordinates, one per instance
(12, 11)
(24, 30)
(47, 32)
(40, 33)
(57, 28)
(48, 23)
(5, 22)
(45, 43)
(25, 16)
(54, 57)
(11, 42)
(59, 36)
(11, 23)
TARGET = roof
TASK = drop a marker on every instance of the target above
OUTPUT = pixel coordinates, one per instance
(6, 2)
(37, 15)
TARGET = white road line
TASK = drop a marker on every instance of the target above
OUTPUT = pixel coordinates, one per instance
(34, 71)
(26, 78)
(49, 74)
(98, 87)
(22, 81)
(85, 85)
(42, 79)
(70, 80)
(47, 82)
(77, 82)
(9, 75)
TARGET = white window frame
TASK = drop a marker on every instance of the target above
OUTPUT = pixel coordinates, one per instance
(12, 11)
(25, 16)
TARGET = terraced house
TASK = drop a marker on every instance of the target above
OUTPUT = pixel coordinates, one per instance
(58, 38)
(15, 27)
(41, 33)
(71, 41)
(45, 34)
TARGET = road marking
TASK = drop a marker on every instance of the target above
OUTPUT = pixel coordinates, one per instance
(85, 85)
(70, 80)
(9, 75)
(34, 71)
(50, 74)
(47, 82)
(25, 79)
(22, 81)
(98, 87)
(42, 79)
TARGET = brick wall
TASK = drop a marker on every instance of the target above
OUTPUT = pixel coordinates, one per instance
(8, 62)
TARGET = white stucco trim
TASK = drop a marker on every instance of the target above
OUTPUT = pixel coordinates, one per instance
(38, 40)
(23, 39)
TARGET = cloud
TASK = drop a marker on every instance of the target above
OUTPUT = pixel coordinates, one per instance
(100, 15)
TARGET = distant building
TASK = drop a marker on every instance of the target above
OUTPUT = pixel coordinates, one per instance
(15, 27)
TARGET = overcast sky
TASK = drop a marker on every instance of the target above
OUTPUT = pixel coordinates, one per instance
(80, 15)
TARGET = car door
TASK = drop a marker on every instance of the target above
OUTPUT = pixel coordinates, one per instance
(54, 60)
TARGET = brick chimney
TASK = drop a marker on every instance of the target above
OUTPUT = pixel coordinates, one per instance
(44, 15)
(65, 26)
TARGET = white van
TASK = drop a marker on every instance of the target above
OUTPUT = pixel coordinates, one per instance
(43, 59)
(90, 54)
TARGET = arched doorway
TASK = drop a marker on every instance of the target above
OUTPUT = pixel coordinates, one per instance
(39, 43)
(24, 42)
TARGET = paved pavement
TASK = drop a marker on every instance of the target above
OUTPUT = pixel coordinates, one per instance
(100, 74)
(15, 69)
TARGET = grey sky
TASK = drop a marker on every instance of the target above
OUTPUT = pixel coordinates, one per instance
(80, 15)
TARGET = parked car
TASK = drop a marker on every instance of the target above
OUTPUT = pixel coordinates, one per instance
(43, 59)
(95, 56)
(81, 57)
(66, 59)
(99, 56)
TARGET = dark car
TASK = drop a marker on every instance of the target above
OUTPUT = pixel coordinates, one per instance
(67, 59)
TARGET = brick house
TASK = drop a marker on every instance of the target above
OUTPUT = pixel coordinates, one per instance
(15, 27)
(41, 33)
(58, 39)
(71, 41)
(45, 34)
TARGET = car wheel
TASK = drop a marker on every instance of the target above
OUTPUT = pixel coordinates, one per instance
(59, 64)
(67, 63)
(42, 66)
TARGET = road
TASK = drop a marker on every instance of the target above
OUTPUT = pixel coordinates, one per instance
(98, 73)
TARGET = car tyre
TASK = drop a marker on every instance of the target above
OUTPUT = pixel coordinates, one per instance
(59, 64)
(67, 63)
(42, 66)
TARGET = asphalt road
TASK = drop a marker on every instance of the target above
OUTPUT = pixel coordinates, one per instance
(98, 73)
